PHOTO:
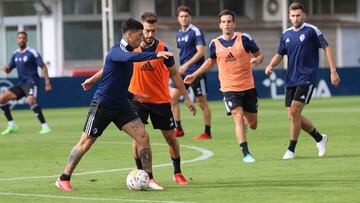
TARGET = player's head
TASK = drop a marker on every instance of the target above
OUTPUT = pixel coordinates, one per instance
(227, 22)
(184, 16)
(21, 39)
(149, 21)
(132, 32)
(296, 14)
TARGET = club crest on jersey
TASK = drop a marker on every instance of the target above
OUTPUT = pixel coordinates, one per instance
(25, 58)
(287, 40)
(302, 37)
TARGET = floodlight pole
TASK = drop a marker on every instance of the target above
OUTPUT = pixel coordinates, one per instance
(107, 25)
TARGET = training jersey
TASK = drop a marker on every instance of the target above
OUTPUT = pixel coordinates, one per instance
(187, 41)
(151, 77)
(27, 62)
(302, 49)
(233, 59)
(118, 68)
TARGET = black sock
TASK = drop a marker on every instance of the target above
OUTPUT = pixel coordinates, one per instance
(176, 164)
(178, 125)
(292, 145)
(207, 129)
(138, 163)
(38, 113)
(150, 175)
(65, 177)
(316, 135)
(6, 111)
(244, 148)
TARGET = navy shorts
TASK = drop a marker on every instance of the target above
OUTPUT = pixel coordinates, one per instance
(301, 93)
(23, 90)
(246, 99)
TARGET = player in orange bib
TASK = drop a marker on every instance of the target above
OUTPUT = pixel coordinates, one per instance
(150, 85)
(233, 53)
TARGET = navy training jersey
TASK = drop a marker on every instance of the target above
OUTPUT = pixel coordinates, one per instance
(118, 68)
(168, 62)
(27, 63)
(187, 41)
(302, 49)
(248, 43)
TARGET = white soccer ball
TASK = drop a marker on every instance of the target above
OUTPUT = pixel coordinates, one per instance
(137, 180)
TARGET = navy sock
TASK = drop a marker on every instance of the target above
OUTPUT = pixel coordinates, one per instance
(6, 111)
(244, 148)
(65, 177)
(176, 164)
(316, 135)
(138, 163)
(292, 145)
(178, 125)
(207, 129)
(37, 110)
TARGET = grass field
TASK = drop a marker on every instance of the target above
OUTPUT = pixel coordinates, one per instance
(30, 163)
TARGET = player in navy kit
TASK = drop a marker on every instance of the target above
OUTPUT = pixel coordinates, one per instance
(111, 102)
(191, 42)
(301, 44)
(26, 60)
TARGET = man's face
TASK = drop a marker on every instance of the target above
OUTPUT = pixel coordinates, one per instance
(297, 17)
(21, 40)
(227, 24)
(135, 37)
(149, 32)
(184, 19)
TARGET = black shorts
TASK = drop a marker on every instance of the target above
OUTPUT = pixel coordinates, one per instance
(301, 93)
(246, 99)
(23, 90)
(99, 117)
(198, 86)
(160, 114)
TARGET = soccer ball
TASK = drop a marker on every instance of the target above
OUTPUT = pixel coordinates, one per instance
(137, 180)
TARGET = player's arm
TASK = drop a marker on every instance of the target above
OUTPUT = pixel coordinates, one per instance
(6, 69)
(209, 63)
(335, 79)
(88, 83)
(259, 57)
(274, 62)
(138, 56)
(44, 69)
(179, 84)
(200, 52)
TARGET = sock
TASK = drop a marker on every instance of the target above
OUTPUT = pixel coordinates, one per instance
(11, 123)
(207, 129)
(176, 164)
(316, 135)
(65, 177)
(38, 113)
(6, 110)
(150, 175)
(44, 125)
(292, 145)
(244, 148)
(138, 163)
(178, 125)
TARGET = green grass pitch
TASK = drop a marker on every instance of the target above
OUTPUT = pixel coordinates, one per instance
(30, 163)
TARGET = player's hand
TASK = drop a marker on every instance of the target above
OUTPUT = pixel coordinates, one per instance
(268, 70)
(190, 105)
(182, 69)
(6, 69)
(48, 87)
(335, 79)
(253, 62)
(164, 54)
(189, 79)
(87, 84)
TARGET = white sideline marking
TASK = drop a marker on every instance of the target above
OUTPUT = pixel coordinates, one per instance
(205, 154)
(85, 198)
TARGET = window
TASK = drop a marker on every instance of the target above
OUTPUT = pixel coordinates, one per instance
(189, 3)
(163, 7)
(209, 7)
(345, 8)
(85, 7)
(69, 7)
(121, 6)
(321, 7)
(235, 5)
(19, 8)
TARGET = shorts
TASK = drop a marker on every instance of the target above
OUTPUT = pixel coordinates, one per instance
(246, 99)
(99, 117)
(23, 90)
(301, 93)
(160, 114)
(198, 86)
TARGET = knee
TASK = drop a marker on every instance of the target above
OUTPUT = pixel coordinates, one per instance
(31, 101)
(293, 114)
(203, 105)
(253, 125)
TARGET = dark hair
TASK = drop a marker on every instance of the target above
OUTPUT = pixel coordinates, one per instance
(22, 33)
(131, 24)
(184, 9)
(297, 5)
(227, 12)
(149, 17)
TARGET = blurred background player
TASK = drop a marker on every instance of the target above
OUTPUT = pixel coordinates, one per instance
(191, 42)
(26, 60)
(111, 102)
(301, 44)
(232, 52)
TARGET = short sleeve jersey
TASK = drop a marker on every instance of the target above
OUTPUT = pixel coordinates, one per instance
(187, 41)
(27, 63)
(302, 49)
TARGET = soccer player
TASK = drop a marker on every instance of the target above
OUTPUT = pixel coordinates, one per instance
(191, 42)
(233, 52)
(110, 102)
(301, 44)
(151, 79)
(26, 60)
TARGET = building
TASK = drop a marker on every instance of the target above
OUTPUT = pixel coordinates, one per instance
(68, 33)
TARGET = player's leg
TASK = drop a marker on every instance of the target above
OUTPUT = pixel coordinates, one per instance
(175, 106)
(11, 94)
